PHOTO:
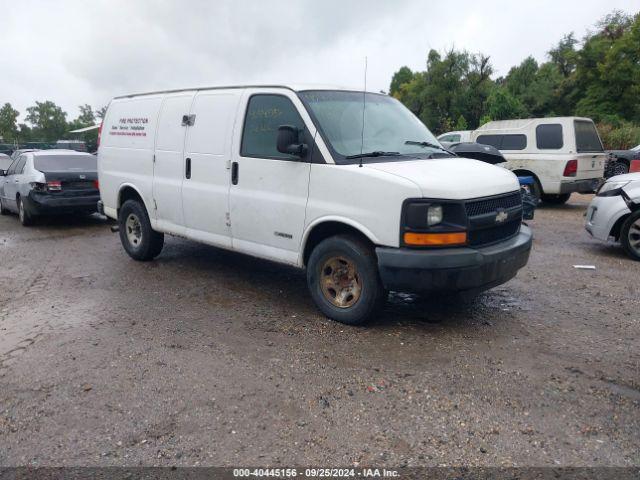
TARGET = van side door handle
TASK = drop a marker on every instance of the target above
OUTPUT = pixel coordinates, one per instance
(234, 173)
(187, 172)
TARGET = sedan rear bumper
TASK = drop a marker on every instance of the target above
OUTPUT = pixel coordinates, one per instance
(42, 203)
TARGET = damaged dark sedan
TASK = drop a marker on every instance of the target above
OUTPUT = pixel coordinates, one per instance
(49, 182)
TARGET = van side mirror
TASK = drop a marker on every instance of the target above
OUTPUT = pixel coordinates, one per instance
(288, 141)
(3, 173)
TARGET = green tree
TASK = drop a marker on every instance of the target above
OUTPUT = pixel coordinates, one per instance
(502, 105)
(564, 55)
(101, 112)
(49, 121)
(8, 123)
(454, 84)
(461, 124)
(401, 77)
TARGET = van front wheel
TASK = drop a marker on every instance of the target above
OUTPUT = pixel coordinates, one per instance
(342, 274)
(139, 240)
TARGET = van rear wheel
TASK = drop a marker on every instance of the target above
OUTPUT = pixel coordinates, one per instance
(140, 241)
(342, 275)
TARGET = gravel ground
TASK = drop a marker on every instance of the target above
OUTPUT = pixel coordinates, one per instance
(206, 357)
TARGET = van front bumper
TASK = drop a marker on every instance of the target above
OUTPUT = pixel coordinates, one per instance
(454, 269)
(589, 185)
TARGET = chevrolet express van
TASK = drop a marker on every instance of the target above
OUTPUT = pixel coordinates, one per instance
(562, 154)
(292, 175)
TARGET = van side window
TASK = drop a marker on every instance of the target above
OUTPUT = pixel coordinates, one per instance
(504, 142)
(265, 114)
(549, 136)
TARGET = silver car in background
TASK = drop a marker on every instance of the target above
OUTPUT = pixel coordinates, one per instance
(614, 213)
(49, 182)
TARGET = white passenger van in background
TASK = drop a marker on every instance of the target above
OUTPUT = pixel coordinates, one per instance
(562, 154)
(290, 175)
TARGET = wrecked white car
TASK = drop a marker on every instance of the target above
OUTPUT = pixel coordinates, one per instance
(614, 213)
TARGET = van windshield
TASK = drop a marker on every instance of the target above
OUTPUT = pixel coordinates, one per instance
(389, 127)
(587, 139)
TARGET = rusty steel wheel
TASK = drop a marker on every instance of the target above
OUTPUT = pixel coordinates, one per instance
(343, 279)
(340, 282)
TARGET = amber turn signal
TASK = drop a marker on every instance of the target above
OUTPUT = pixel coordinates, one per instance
(457, 238)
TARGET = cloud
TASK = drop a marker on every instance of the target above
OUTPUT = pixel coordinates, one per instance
(87, 52)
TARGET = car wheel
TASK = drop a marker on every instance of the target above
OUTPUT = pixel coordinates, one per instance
(139, 240)
(556, 199)
(619, 168)
(630, 235)
(342, 275)
(26, 219)
(3, 211)
(536, 189)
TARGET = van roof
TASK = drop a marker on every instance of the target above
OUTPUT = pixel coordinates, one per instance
(292, 87)
(524, 122)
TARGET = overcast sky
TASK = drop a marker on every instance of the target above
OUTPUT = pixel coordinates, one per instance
(76, 52)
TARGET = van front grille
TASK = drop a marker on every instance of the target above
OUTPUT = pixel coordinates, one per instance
(484, 226)
(490, 235)
(492, 204)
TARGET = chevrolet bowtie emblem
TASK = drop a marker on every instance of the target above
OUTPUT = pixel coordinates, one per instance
(501, 217)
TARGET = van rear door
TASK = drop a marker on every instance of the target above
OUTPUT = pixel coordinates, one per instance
(169, 167)
(590, 153)
(205, 188)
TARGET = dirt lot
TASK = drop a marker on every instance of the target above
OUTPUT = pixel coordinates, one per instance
(206, 357)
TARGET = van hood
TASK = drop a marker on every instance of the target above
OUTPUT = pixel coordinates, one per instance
(452, 178)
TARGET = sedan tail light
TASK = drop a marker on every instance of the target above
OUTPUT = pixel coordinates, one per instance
(54, 185)
(571, 169)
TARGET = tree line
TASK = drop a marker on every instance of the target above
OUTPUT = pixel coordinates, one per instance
(46, 122)
(597, 77)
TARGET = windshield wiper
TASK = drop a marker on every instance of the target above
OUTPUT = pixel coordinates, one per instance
(428, 144)
(377, 153)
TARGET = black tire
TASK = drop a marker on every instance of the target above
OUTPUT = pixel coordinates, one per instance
(149, 243)
(357, 253)
(26, 219)
(630, 235)
(3, 211)
(556, 199)
(536, 189)
(620, 168)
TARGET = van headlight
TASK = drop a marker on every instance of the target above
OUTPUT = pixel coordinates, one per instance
(434, 215)
(612, 189)
(433, 223)
(423, 215)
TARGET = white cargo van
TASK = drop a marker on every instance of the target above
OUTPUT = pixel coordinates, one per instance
(290, 175)
(562, 154)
